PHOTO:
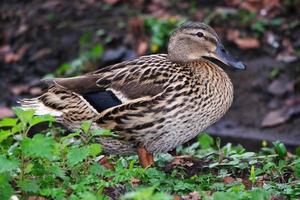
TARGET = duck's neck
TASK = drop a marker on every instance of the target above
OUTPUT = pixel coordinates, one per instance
(218, 84)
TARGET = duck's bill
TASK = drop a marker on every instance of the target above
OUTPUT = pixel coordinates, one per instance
(224, 56)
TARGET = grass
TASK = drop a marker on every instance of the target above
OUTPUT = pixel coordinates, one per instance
(59, 166)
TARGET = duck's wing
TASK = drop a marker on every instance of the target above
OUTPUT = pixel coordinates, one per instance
(121, 83)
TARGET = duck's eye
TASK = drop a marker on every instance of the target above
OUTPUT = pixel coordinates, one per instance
(200, 34)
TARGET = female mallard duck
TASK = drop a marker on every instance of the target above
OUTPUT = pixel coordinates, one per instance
(153, 103)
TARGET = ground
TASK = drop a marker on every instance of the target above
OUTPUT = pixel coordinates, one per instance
(40, 36)
(64, 38)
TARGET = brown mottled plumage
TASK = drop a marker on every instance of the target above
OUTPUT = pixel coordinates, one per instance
(166, 99)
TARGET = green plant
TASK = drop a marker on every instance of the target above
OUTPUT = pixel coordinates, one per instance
(60, 167)
(146, 193)
(88, 54)
(36, 166)
(160, 31)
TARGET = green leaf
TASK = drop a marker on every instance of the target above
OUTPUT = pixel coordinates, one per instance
(85, 126)
(225, 196)
(281, 164)
(39, 119)
(69, 136)
(252, 176)
(146, 193)
(7, 165)
(297, 152)
(297, 170)
(7, 122)
(97, 51)
(103, 132)
(247, 155)
(57, 171)
(205, 141)
(29, 186)
(4, 134)
(280, 149)
(24, 115)
(260, 194)
(39, 146)
(77, 155)
(63, 68)
(6, 190)
(97, 169)
(28, 168)
(55, 193)
(88, 196)
(85, 39)
(94, 149)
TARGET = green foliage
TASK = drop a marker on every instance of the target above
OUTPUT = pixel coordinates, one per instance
(160, 31)
(59, 167)
(146, 193)
(244, 18)
(88, 54)
(77, 155)
(205, 141)
(77, 66)
(280, 149)
(8, 165)
(252, 176)
(6, 190)
(39, 146)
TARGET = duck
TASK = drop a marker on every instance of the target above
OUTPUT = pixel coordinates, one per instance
(153, 103)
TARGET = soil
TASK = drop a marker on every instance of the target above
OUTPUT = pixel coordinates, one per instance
(39, 36)
(243, 122)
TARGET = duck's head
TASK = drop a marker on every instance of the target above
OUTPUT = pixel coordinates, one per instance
(194, 41)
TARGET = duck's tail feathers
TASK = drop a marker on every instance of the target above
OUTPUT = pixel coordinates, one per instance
(66, 106)
(39, 107)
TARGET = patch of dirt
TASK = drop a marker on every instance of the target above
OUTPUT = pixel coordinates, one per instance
(243, 122)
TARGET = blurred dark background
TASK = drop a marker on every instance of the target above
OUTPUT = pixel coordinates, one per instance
(44, 38)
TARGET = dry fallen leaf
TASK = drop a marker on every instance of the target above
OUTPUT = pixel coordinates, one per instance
(243, 43)
(274, 118)
(5, 112)
(40, 54)
(233, 2)
(232, 34)
(4, 49)
(228, 179)
(280, 116)
(247, 43)
(247, 184)
(280, 86)
(19, 89)
(176, 197)
(111, 2)
(13, 57)
(252, 5)
(192, 196)
(22, 29)
(104, 162)
(135, 182)
(35, 91)
(288, 52)
(260, 181)
(270, 8)
(142, 48)
(182, 161)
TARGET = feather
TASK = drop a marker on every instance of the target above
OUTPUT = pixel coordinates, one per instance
(102, 100)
